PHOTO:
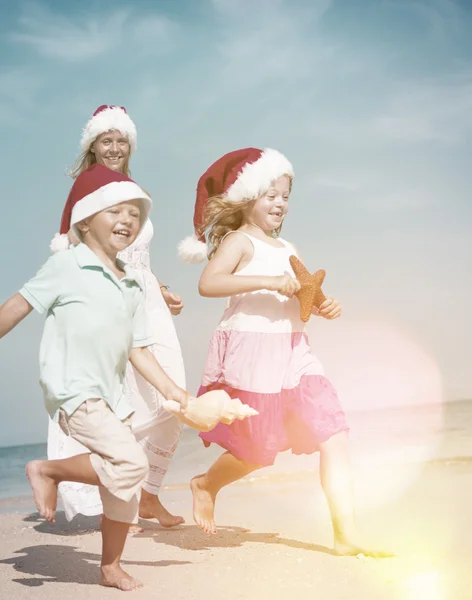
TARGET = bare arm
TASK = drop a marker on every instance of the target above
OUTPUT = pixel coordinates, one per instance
(218, 279)
(12, 312)
(147, 366)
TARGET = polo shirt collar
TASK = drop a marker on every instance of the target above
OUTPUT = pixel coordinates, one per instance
(86, 257)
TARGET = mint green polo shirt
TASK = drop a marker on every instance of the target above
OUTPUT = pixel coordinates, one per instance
(93, 321)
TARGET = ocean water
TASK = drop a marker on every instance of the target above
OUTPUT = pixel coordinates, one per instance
(408, 434)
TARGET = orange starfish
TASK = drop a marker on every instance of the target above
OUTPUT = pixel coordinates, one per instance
(310, 293)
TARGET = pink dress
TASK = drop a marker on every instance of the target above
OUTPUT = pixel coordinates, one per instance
(260, 353)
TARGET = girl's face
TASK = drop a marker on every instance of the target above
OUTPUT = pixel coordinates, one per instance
(112, 150)
(269, 210)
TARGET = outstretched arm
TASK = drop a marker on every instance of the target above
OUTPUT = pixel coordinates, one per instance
(147, 366)
(12, 312)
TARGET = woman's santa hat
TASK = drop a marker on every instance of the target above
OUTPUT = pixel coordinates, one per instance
(94, 190)
(239, 175)
(109, 118)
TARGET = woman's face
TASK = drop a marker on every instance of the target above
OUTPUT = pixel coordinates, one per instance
(112, 150)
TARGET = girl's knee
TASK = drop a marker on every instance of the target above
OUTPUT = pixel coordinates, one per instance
(338, 440)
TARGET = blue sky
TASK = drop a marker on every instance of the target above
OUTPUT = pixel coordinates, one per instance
(371, 100)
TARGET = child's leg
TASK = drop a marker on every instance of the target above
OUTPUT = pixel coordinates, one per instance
(117, 464)
(226, 469)
(45, 475)
(159, 446)
(337, 483)
(114, 535)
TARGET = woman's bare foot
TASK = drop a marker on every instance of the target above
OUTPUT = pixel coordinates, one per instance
(44, 489)
(114, 576)
(203, 505)
(150, 507)
(132, 529)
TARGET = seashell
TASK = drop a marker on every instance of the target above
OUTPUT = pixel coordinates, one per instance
(214, 407)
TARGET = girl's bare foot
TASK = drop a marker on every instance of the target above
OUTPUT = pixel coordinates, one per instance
(344, 547)
(114, 576)
(44, 489)
(203, 505)
(150, 507)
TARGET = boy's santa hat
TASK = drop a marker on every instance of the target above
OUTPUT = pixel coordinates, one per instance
(239, 175)
(94, 190)
(109, 118)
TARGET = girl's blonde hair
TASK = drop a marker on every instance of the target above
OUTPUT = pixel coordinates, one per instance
(221, 216)
(88, 158)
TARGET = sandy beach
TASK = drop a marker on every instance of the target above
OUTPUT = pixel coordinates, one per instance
(275, 536)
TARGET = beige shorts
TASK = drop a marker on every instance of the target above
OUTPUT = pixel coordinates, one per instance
(116, 456)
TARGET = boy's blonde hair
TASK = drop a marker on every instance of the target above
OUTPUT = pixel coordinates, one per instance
(221, 216)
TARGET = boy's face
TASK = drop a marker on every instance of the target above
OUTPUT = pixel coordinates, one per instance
(114, 228)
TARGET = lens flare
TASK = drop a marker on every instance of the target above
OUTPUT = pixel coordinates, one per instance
(391, 390)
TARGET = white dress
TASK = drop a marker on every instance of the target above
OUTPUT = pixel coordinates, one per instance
(156, 429)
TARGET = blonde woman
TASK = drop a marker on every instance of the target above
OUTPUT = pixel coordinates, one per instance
(109, 138)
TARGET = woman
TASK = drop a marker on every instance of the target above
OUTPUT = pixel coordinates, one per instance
(109, 138)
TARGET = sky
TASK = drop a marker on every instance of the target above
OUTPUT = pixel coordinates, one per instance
(370, 100)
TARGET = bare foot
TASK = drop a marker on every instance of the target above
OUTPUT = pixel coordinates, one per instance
(150, 507)
(114, 576)
(44, 489)
(346, 548)
(203, 505)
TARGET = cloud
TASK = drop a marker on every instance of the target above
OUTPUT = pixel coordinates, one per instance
(442, 18)
(428, 111)
(264, 41)
(18, 93)
(408, 111)
(84, 37)
(372, 192)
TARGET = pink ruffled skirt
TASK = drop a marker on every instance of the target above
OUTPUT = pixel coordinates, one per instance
(299, 420)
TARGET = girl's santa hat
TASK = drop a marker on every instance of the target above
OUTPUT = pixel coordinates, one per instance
(108, 118)
(94, 190)
(239, 175)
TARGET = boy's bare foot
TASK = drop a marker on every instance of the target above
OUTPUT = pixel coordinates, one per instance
(150, 507)
(346, 548)
(203, 505)
(44, 489)
(114, 576)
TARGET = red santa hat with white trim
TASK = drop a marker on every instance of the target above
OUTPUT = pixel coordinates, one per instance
(109, 118)
(96, 189)
(239, 175)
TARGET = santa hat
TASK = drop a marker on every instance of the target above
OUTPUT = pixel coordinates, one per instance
(94, 190)
(108, 118)
(239, 175)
